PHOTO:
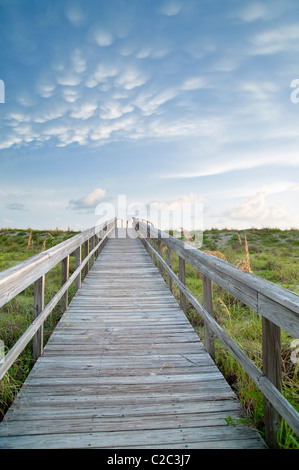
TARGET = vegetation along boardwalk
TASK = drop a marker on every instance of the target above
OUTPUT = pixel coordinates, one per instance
(125, 369)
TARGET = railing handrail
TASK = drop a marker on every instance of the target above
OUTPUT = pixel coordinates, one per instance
(268, 299)
(36, 267)
(279, 305)
(17, 278)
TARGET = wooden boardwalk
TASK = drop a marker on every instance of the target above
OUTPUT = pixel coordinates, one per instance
(125, 369)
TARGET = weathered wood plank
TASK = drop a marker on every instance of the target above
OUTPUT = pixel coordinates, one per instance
(124, 369)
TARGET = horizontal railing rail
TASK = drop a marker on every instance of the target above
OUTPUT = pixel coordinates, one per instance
(278, 307)
(15, 280)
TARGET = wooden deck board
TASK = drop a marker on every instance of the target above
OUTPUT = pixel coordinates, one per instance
(125, 369)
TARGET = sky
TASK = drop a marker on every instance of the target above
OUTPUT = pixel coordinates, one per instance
(148, 106)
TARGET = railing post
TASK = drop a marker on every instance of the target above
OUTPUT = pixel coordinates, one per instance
(208, 305)
(168, 260)
(86, 247)
(39, 300)
(272, 370)
(182, 278)
(96, 240)
(161, 269)
(78, 262)
(91, 248)
(64, 278)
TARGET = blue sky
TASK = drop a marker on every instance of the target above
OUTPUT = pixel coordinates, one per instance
(160, 101)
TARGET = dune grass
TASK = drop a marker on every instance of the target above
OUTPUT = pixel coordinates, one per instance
(270, 253)
(17, 315)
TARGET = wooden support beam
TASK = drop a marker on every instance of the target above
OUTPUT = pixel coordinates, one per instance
(91, 242)
(64, 278)
(182, 278)
(208, 305)
(272, 370)
(39, 300)
(86, 248)
(78, 262)
(160, 265)
(168, 260)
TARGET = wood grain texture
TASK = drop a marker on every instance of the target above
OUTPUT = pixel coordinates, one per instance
(274, 302)
(125, 369)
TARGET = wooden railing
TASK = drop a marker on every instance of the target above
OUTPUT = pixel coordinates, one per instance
(32, 271)
(278, 307)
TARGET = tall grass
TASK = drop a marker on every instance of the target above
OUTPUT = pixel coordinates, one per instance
(17, 315)
(273, 255)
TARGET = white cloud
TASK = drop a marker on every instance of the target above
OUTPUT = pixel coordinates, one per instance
(194, 83)
(89, 202)
(85, 111)
(114, 110)
(150, 104)
(253, 12)
(102, 37)
(276, 40)
(49, 114)
(75, 15)
(102, 73)
(216, 165)
(259, 213)
(170, 8)
(10, 141)
(131, 78)
(79, 63)
(45, 88)
(69, 79)
(18, 117)
(71, 95)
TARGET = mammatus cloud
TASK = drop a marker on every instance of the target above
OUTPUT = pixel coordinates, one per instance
(170, 8)
(87, 203)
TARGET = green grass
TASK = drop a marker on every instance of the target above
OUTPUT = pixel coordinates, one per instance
(274, 255)
(17, 315)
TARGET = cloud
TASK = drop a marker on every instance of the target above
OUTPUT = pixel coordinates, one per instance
(89, 202)
(85, 111)
(75, 15)
(114, 110)
(14, 206)
(149, 104)
(45, 88)
(71, 95)
(79, 63)
(102, 73)
(170, 8)
(131, 78)
(252, 12)
(194, 83)
(102, 37)
(276, 40)
(69, 79)
(255, 11)
(257, 211)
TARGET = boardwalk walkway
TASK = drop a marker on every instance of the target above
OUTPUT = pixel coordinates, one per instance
(125, 369)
